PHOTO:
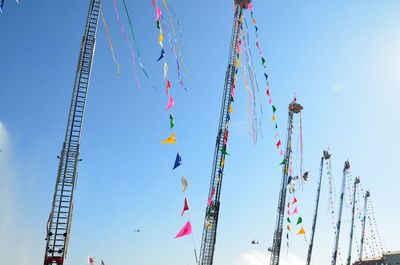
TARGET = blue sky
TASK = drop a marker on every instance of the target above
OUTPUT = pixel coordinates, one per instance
(341, 59)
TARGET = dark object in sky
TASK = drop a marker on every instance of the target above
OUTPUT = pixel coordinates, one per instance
(254, 242)
(305, 176)
(136, 230)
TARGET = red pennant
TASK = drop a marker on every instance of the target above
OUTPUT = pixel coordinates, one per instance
(185, 207)
(268, 94)
(278, 144)
(294, 200)
(167, 86)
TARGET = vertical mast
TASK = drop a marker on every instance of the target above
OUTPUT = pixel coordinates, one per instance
(335, 250)
(356, 181)
(59, 223)
(212, 211)
(325, 156)
(294, 108)
(367, 194)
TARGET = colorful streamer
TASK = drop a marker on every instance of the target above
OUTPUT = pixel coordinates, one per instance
(109, 41)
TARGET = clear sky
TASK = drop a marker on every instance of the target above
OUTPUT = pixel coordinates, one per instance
(342, 59)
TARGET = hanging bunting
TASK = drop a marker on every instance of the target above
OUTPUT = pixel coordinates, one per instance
(167, 86)
(185, 207)
(278, 144)
(165, 69)
(294, 211)
(109, 40)
(289, 180)
(186, 230)
(284, 162)
(162, 55)
(178, 161)
(171, 121)
(185, 183)
(299, 221)
(169, 140)
(170, 103)
(294, 200)
(288, 220)
(302, 231)
(288, 228)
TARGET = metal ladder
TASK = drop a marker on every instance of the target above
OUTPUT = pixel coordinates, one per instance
(212, 211)
(59, 223)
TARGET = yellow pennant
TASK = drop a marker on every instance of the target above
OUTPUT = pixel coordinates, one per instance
(208, 224)
(273, 117)
(230, 109)
(222, 162)
(288, 228)
(301, 232)
(237, 62)
(161, 38)
(169, 140)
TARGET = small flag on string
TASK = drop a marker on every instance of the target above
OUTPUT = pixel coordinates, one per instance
(208, 224)
(289, 180)
(222, 162)
(186, 230)
(278, 144)
(299, 221)
(165, 69)
(185, 183)
(178, 161)
(170, 103)
(169, 140)
(273, 109)
(288, 228)
(185, 207)
(294, 211)
(162, 55)
(167, 86)
(294, 200)
(223, 151)
(91, 260)
(288, 219)
(284, 162)
(171, 121)
(302, 231)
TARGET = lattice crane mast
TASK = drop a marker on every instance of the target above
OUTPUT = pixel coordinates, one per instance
(59, 223)
(353, 214)
(294, 108)
(212, 211)
(325, 156)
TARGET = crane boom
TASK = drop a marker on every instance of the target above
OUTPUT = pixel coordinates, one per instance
(367, 194)
(212, 211)
(276, 246)
(59, 223)
(353, 213)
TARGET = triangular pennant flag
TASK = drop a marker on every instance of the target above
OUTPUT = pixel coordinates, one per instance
(270, 101)
(208, 224)
(288, 205)
(171, 121)
(162, 55)
(185, 206)
(158, 24)
(284, 162)
(278, 144)
(268, 93)
(273, 108)
(167, 86)
(302, 231)
(230, 109)
(223, 151)
(294, 200)
(91, 260)
(294, 211)
(288, 212)
(165, 69)
(170, 103)
(299, 221)
(186, 230)
(288, 219)
(160, 38)
(169, 140)
(222, 162)
(289, 180)
(266, 76)
(273, 117)
(158, 13)
(178, 161)
(185, 183)
(262, 60)
(288, 228)
(232, 99)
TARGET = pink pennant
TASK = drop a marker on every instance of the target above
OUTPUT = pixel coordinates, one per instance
(270, 101)
(294, 200)
(288, 205)
(250, 6)
(295, 210)
(158, 13)
(209, 201)
(258, 46)
(186, 230)
(170, 103)
(288, 212)
(281, 152)
(167, 86)
(233, 92)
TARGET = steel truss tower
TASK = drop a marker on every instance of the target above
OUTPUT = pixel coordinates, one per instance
(356, 181)
(335, 249)
(212, 211)
(325, 156)
(367, 194)
(59, 223)
(294, 108)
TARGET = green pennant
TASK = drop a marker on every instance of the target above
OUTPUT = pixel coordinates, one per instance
(273, 108)
(288, 219)
(223, 151)
(158, 24)
(171, 121)
(299, 221)
(232, 99)
(263, 60)
(284, 162)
